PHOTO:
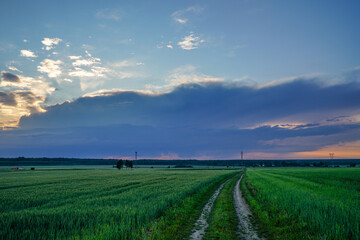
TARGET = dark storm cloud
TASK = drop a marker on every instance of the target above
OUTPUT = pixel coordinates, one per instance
(193, 120)
(119, 140)
(7, 99)
(209, 106)
(9, 77)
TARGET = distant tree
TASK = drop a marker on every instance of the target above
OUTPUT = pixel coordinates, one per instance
(119, 164)
(352, 164)
(129, 164)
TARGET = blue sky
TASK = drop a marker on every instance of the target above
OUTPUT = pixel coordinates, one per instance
(235, 70)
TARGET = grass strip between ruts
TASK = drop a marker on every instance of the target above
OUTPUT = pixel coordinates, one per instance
(223, 219)
(178, 221)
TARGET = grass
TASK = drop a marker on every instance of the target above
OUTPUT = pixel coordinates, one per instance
(223, 220)
(305, 203)
(178, 221)
(101, 204)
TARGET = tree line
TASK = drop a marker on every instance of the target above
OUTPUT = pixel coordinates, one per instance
(128, 164)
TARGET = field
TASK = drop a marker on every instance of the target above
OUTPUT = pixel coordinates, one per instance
(100, 204)
(161, 203)
(305, 203)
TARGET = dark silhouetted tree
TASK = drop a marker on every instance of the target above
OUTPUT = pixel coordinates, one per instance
(119, 164)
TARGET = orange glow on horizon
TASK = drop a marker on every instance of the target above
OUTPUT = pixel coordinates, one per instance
(341, 150)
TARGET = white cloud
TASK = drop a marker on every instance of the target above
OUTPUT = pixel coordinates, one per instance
(110, 92)
(50, 42)
(27, 53)
(85, 62)
(14, 69)
(111, 14)
(169, 46)
(126, 63)
(79, 72)
(74, 57)
(190, 42)
(93, 72)
(90, 76)
(90, 79)
(99, 71)
(25, 41)
(50, 67)
(68, 80)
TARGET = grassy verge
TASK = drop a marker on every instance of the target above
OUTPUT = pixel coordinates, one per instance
(178, 220)
(223, 220)
(305, 203)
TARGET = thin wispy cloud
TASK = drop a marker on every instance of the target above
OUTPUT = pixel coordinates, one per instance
(27, 53)
(190, 42)
(180, 16)
(188, 74)
(14, 69)
(110, 14)
(126, 63)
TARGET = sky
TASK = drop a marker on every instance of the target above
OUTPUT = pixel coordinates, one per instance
(180, 79)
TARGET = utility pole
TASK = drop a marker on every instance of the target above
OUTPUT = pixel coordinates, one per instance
(331, 156)
(242, 155)
(135, 155)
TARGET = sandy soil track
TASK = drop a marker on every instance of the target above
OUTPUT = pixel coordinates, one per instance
(201, 224)
(246, 229)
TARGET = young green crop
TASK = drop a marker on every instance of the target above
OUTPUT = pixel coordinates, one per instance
(223, 221)
(305, 203)
(92, 204)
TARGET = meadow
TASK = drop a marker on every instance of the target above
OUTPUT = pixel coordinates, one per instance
(305, 203)
(103, 204)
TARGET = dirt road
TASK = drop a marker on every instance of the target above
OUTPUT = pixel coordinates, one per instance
(246, 229)
(201, 224)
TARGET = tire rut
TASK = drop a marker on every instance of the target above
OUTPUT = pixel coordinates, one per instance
(201, 224)
(246, 229)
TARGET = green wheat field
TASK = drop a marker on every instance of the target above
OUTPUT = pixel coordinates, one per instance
(287, 203)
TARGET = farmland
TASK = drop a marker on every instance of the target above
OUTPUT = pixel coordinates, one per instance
(305, 203)
(102, 204)
(162, 203)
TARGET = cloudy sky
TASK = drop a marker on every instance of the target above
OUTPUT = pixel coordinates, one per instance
(180, 79)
